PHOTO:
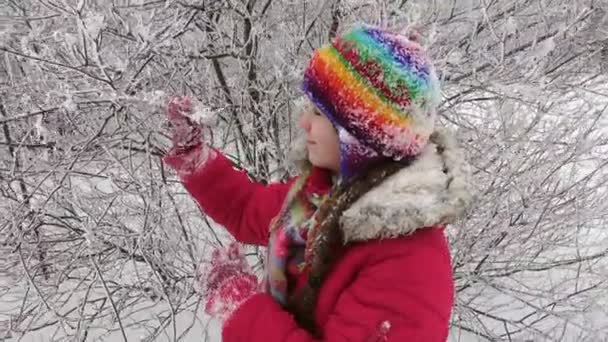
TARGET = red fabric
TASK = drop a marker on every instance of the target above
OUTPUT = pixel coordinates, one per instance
(231, 199)
(226, 282)
(398, 289)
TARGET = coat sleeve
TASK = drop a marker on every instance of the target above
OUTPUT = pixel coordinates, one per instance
(386, 302)
(232, 200)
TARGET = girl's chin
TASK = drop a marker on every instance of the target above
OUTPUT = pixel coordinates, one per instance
(314, 161)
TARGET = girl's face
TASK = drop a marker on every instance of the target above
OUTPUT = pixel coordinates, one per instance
(322, 139)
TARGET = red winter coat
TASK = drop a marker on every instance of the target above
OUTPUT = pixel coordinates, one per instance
(394, 281)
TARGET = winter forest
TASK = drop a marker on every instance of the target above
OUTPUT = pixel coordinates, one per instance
(100, 242)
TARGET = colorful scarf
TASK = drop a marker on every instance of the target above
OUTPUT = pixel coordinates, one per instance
(289, 231)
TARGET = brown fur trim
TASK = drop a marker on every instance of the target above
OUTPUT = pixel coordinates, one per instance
(325, 240)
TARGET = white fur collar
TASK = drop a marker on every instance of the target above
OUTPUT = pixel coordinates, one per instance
(433, 190)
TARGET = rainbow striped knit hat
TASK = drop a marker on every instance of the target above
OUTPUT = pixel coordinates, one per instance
(380, 91)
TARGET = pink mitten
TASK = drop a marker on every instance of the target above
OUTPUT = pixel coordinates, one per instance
(227, 282)
(189, 151)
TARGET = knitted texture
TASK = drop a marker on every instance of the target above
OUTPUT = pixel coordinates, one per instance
(379, 89)
(188, 151)
(226, 282)
(289, 231)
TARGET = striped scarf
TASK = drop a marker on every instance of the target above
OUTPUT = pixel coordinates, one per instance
(289, 231)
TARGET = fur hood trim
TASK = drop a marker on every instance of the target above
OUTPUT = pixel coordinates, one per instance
(433, 190)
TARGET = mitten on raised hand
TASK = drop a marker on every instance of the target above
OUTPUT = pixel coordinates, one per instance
(189, 150)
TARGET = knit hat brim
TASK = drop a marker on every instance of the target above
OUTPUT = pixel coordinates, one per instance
(355, 157)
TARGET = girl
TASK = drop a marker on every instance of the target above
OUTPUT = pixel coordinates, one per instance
(356, 244)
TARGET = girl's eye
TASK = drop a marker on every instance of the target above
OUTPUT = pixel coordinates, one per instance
(317, 112)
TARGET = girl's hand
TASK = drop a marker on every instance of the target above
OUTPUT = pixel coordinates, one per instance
(226, 282)
(189, 151)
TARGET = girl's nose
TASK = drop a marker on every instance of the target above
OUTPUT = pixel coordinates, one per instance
(304, 122)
